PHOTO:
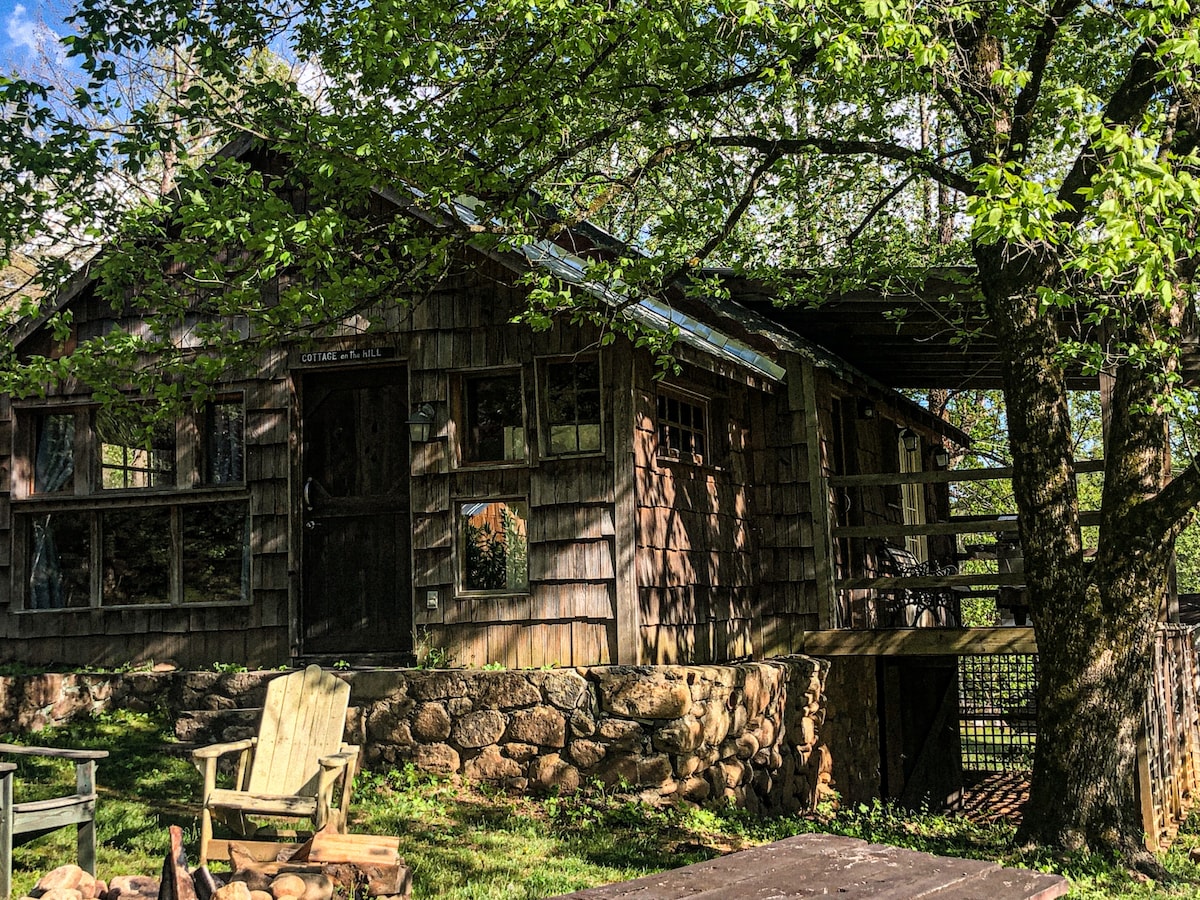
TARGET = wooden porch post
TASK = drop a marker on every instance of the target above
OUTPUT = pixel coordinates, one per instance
(802, 399)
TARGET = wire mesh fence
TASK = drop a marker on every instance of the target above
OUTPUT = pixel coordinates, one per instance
(997, 703)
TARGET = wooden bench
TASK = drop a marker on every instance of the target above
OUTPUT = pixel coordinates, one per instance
(22, 822)
(815, 865)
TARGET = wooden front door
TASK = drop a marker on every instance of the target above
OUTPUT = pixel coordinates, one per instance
(356, 593)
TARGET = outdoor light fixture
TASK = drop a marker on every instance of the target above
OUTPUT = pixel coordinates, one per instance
(866, 409)
(941, 457)
(420, 424)
(910, 439)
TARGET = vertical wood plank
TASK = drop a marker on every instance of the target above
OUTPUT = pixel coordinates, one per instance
(628, 624)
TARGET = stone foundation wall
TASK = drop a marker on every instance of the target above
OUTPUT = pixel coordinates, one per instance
(747, 733)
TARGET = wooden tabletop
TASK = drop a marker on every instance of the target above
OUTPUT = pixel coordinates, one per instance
(822, 865)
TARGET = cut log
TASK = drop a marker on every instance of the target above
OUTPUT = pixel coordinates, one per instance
(204, 883)
(176, 883)
(359, 865)
(359, 849)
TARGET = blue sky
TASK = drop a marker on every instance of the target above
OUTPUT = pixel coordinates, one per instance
(22, 30)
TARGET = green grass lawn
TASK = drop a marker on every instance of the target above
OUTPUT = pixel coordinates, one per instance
(466, 842)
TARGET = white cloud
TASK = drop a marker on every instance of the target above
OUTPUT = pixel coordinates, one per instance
(29, 36)
(23, 31)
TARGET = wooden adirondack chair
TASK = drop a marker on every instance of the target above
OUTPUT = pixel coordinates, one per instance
(22, 822)
(290, 770)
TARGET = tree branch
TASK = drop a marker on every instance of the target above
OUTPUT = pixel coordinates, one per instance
(708, 89)
(917, 160)
(731, 220)
(1127, 102)
(1167, 511)
(1039, 59)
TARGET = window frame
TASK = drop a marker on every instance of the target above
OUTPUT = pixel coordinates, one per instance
(89, 499)
(541, 374)
(460, 549)
(458, 406)
(705, 404)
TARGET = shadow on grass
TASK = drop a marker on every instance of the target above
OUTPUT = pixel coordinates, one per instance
(143, 789)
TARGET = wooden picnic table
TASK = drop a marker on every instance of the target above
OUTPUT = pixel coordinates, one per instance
(820, 865)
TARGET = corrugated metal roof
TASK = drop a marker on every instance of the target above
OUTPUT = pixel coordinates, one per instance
(649, 311)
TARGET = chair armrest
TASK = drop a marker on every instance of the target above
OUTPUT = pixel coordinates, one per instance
(55, 752)
(338, 760)
(212, 751)
(5, 768)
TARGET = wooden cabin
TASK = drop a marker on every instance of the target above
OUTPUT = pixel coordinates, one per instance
(455, 484)
(451, 486)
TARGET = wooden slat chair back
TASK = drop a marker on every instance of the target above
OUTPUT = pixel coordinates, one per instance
(22, 822)
(291, 768)
(303, 720)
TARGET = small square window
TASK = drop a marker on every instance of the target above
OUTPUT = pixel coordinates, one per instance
(494, 545)
(682, 427)
(572, 403)
(494, 418)
(134, 452)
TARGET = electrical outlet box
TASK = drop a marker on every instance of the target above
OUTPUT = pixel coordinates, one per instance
(431, 599)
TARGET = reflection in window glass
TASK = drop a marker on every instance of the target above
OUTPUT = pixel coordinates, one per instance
(60, 561)
(495, 549)
(495, 420)
(134, 454)
(137, 556)
(573, 406)
(216, 559)
(54, 465)
(224, 444)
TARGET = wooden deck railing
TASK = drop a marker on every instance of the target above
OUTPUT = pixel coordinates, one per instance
(999, 526)
(1169, 752)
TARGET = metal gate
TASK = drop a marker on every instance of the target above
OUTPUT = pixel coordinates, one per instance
(997, 708)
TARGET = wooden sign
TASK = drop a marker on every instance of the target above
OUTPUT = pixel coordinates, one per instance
(341, 357)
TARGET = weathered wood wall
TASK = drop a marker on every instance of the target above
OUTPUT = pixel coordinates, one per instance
(853, 444)
(567, 618)
(725, 563)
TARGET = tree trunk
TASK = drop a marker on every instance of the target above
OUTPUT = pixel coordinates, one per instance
(1094, 666)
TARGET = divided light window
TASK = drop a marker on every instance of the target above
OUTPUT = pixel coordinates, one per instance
(682, 422)
(493, 417)
(86, 545)
(571, 398)
(134, 453)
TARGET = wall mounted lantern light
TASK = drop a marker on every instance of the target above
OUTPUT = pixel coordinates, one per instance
(866, 409)
(420, 424)
(941, 457)
(910, 439)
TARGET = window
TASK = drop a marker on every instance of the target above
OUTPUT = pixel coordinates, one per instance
(494, 548)
(186, 541)
(134, 453)
(912, 500)
(571, 399)
(493, 417)
(224, 442)
(54, 458)
(60, 561)
(682, 427)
